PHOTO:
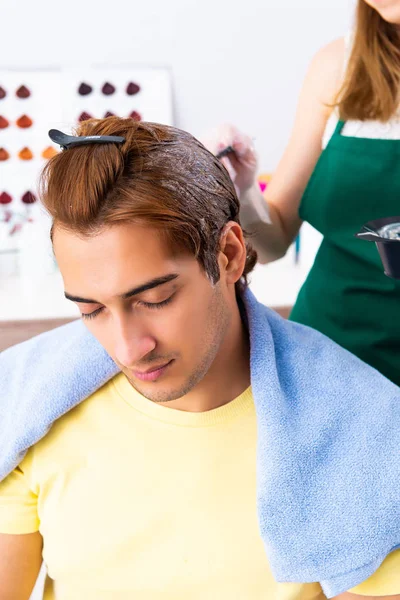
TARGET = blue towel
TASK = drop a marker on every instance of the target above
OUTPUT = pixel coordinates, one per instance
(328, 439)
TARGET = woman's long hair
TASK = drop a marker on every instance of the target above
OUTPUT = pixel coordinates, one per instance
(372, 81)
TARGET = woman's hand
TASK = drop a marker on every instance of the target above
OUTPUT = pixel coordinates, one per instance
(242, 163)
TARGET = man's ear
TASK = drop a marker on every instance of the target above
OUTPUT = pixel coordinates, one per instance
(232, 257)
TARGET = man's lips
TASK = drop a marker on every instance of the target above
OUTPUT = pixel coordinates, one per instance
(153, 373)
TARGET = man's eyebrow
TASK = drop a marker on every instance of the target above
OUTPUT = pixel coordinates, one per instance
(149, 285)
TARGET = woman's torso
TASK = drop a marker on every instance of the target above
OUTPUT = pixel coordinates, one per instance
(346, 295)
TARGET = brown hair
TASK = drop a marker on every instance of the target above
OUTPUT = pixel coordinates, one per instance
(160, 176)
(371, 86)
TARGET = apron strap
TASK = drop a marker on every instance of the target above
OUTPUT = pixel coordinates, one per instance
(339, 127)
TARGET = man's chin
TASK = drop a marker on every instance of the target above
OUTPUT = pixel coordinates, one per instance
(157, 391)
(169, 386)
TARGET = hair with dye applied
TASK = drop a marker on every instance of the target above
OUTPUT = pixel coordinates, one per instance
(160, 177)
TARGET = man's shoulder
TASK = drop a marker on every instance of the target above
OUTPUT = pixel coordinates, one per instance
(41, 380)
(52, 362)
(304, 354)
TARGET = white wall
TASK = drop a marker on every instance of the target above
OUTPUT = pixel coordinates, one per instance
(241, 61)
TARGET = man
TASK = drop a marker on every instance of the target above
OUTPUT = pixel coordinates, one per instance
(146, 487)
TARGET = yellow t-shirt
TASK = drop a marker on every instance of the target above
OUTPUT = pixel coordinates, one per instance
(137, 500)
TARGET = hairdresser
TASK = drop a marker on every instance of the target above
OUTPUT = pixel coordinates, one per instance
(340, 169)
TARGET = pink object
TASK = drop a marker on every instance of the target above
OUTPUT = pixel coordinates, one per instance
(16, 229)
(263, 185)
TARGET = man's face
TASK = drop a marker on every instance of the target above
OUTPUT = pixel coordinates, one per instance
(157, 315)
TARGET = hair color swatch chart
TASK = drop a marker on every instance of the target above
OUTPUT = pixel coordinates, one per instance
(32, 102)
(141, 94)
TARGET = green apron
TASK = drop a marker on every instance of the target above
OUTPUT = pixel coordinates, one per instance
(346, 295)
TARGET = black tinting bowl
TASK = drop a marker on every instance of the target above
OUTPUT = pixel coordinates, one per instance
(389, 250)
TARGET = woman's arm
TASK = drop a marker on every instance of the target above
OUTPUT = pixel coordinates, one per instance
(287, 186)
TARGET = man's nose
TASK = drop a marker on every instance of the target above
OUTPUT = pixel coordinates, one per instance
(132, 342)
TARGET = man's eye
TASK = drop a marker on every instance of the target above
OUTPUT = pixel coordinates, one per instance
(91, 315)
(157, 304)
(151, 305)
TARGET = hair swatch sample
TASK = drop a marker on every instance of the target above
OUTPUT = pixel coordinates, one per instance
(109, 114)
(132, 89)
(25, 154)
(28, 198)
(135, 115)
(84, 116)
(108, 89)
(3, 123)
(49, 152)
(23, 92)
(3, 93)
(85, 89)
(4, 154)
(5, 198)
(24, 122)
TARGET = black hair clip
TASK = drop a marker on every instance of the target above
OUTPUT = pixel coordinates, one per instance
(70, 141)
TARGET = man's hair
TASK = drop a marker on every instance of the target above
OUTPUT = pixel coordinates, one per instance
(160, 177)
